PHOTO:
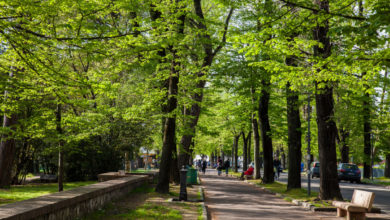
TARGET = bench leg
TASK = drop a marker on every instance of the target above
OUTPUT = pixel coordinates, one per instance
(356, 215)
(341, 212)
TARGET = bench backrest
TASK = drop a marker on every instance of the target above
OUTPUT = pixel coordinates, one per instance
(363, 198)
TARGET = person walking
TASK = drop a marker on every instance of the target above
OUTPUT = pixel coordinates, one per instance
(277, 167)
(219, 166)
(204, 166)
(226, 165)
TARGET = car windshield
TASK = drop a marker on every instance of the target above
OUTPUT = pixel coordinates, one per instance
(350, 166)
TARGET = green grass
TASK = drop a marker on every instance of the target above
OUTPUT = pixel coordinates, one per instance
(23, 192)
(152, 211)
(380, 180)
(141, 170)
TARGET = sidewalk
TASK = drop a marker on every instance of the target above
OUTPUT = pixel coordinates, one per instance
(228, 198)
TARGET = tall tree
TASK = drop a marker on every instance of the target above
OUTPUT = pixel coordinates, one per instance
(207, 59)
(329, 187)
(7, 146)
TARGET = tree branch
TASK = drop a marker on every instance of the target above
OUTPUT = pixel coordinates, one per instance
(224, 32)
(69, 38)
(326, 12)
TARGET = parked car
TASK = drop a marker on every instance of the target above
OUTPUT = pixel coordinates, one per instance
(315, 170)
(349, 172)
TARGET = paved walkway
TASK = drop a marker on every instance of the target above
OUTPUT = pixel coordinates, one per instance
(228, 198)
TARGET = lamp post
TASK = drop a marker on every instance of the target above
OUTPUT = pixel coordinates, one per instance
(183, 184)
(308, 145)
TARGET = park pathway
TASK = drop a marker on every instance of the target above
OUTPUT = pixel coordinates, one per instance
(228, 198)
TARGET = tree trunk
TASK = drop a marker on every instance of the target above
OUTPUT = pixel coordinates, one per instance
(387, 166)
(7, 148)
(198, 96)
(60, 149)
(256, 141)
(265, 129)
(169, 140)
(367, 136)
(175, 169)
(344, 145)
(294, 139)
(329, 186)
(244, 150)
(7, 152)
(249, 158)
(235, 147)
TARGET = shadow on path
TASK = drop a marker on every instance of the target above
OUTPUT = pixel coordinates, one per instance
(229, 198)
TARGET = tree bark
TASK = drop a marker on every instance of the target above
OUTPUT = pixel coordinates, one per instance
(169, 150)
(245, 150)
(60, 149)
(265, 129)
(344, 145)
(256, 141)
(249, 158)
(329, 186)
(169, 140)
(235, 147)
(294, 139)
(367, 136)
(387, 166)
(7, 148)
(175, 169)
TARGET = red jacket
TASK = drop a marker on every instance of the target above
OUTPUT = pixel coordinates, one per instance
(249, 171)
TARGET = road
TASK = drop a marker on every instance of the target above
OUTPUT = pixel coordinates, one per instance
(382, 194)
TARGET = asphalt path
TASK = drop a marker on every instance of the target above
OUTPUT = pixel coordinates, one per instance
(382, 194)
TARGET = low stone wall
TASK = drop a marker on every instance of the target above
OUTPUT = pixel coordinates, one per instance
(73, 203)
(153, 174)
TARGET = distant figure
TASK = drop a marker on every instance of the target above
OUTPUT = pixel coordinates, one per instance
(277, 167)
(204, 166)
(219, 166)
(226, 165)
(248, 172)
(199, 165)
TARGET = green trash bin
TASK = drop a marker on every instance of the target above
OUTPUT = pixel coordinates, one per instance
(192, 176)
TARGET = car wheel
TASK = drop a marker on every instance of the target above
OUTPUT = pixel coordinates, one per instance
(358, 181)
(351, 181)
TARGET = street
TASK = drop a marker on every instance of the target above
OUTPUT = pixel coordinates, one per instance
(382, 194)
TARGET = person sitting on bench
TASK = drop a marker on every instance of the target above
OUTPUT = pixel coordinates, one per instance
(248, 172)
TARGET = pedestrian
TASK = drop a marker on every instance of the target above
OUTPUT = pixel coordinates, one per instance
(204, 166)
(219, 166)
(199, 165)
(277, 167)
(226, 165)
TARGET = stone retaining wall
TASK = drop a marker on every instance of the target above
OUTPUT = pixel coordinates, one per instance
(73, 203)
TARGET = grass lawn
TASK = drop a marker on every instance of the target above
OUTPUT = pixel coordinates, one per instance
(23, 192)
(380, 180)
(145, 203)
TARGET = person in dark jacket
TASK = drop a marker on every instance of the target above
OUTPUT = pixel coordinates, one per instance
(204, 166)
(277, 167)
(226, 165)
(220, 166)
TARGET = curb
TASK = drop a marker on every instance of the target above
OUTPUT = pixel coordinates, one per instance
(204, 209)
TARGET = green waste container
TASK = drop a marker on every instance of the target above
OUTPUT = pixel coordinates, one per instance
(192, 176)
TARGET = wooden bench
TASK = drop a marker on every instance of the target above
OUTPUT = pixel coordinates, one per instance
(248, 177)
(356, 209)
